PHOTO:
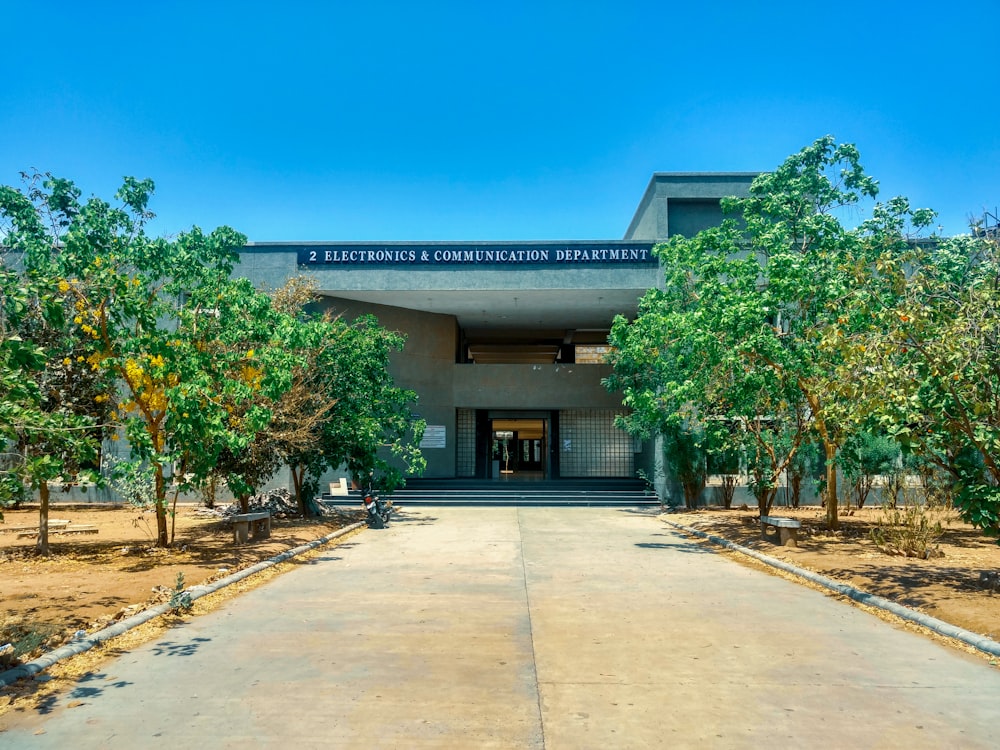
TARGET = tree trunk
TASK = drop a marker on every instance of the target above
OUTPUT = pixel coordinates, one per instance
(173, 514)
(765, 500)
(298, 474)
(796, 482)
(42, 545)
(692, 493)
(162, 538)
(830, 449)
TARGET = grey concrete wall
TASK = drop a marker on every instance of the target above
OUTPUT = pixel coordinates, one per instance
(652, 218)
(425, 365)
(687, 217)
(533, 387)
(457, 279)
(267, 270)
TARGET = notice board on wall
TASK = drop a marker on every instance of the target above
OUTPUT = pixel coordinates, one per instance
(435, 436)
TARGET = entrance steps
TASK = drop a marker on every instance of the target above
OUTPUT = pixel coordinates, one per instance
(545, 493)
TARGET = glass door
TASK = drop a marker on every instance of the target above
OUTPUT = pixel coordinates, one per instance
(518, 449)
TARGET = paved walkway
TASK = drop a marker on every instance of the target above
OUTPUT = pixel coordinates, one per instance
(529, 628)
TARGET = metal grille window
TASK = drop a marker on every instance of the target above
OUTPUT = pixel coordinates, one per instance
(465, 443)
(591, 446)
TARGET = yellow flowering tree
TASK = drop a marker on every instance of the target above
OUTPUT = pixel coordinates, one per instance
(240, 357)
(53, 403)
(122, 292)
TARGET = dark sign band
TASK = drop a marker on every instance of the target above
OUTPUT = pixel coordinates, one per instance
(477, 255)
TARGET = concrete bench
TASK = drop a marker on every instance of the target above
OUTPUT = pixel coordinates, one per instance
(53, 523)
(65, 528)
(259, 523)
(787, 530)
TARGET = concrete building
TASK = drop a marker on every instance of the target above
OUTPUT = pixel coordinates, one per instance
(504, 339)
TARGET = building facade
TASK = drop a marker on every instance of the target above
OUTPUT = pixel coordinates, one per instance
(505, 339)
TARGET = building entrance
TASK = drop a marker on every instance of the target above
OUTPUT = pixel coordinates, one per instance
(519, 448)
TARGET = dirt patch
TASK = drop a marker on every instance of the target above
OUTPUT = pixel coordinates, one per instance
(91, 580)
(946, 586)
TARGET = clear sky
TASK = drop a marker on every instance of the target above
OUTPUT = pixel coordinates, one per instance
(488, 121)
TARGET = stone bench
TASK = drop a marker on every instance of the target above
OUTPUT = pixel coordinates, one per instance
(53, 524)
(258, 523)
(66, 528)
(787, 530)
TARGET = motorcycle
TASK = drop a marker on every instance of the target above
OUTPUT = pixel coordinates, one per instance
(377, 509)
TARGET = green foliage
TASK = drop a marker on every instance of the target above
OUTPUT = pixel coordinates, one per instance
(864, 456)
(134, 481)
(180, 599)
(53, 404)
(931, 354)
(107, 329)
(684, 456)
(25, 639)
(369, 427)
(787, 325)
(732, 337)
(910, 531)
(116, 303)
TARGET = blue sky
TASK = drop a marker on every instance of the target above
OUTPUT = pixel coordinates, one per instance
(478, 121)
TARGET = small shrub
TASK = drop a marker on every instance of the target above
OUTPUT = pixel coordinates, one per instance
(133, 480)
(23, 639)
(209, 489)
(141, 521)
(723, 494)
(910, 531)
(180, 600)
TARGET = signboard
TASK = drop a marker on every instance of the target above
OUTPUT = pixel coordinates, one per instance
(434, 436)
(486, 255)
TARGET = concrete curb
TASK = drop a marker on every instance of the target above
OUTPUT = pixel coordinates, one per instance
(196, 592)
(979, 642)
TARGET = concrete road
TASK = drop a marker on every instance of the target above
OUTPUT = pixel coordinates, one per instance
(528, 628)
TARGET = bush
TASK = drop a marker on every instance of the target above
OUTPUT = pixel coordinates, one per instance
(20, 640)
(180, 600)
(910, 531)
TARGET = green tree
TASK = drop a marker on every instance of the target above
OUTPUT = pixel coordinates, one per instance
(242, 357)
(933, 356)
(753, 320)
(370, 428)
(123, 290)
(864, 456)
(736, 324)
(53, 403)
(343, 408)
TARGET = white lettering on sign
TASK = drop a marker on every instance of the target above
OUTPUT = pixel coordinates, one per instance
(472, 255)
(491, 256)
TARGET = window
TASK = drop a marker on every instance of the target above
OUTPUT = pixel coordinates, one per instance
(591, 354)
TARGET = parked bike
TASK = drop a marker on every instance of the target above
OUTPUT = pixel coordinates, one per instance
(378, 510)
